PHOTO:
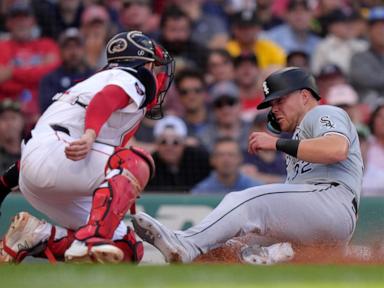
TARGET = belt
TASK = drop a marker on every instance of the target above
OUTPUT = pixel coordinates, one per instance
(59, 128)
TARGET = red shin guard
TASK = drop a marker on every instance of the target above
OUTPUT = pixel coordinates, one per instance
(109, 206)
(131, 169)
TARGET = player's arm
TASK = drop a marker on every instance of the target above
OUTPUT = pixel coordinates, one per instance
(103, 104)
(327, 149)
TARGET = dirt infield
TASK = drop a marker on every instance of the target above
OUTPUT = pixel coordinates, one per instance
(352, 254)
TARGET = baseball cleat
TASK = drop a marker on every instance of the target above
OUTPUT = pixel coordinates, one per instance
(165, 240)
(23, 238)
(95, 250)
(258, 255)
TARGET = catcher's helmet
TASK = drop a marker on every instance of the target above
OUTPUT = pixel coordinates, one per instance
(285, 81)
(133, 49)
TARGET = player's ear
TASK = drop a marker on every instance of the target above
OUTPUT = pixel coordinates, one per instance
(148, 80)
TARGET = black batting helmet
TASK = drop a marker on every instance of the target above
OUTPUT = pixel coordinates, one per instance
(285, 81)
(132, 49)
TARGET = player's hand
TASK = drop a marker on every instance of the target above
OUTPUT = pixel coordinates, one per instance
(261, 141)
(78, 150)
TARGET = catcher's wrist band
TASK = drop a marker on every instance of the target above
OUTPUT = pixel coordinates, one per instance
(288, 146)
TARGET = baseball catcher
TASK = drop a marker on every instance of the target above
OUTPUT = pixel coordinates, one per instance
(75, 168)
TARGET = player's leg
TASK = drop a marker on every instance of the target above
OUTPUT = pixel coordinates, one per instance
(305, 214)
(61, 188)
(128, 171)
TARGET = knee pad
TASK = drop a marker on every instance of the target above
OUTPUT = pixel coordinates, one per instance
(134, 163)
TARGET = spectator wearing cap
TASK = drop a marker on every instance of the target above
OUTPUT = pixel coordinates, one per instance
(97, 29)
(345, 97)
(219, 67)
(373, 178)
(367, 67)
(72, 69)
(340, 44)
(266, 166)
(178, 166)
(139, 15)
(330, 75)
(208, 30)
(226, 176)
(11, 131)
(226, 118)
(247, 76)
(296, 33)
(24, 60)
(54, 17)
(246, 29)
(298, 58)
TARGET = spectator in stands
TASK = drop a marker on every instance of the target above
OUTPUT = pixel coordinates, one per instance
(373, 179)
(298, 58)
(330, 75)
(367, 68)
(247, 79)
(208, 30)
(219, 67)
(96, 28)
(296, 33)
(340, 44)
(265, 166)
(11, 131)
(24, 60)
(139, 15)
(176, 37)
(193, 95)
(178, 166)
(245, 29)
(226, 119)
(266, 15)
(54, 17)
(345, 97)
(226, 159)
(321, 12)
(72, 69)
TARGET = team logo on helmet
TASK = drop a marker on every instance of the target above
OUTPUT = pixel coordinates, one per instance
(265, 88)
(140, 52)
(117, 46)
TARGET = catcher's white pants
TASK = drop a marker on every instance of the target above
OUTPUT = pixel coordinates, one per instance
(59, 187)
(298, 213)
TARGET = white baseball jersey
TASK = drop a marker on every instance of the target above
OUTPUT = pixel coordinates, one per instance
(57, 186)
(119, 126)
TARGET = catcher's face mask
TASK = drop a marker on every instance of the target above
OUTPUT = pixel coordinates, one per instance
(164, 70)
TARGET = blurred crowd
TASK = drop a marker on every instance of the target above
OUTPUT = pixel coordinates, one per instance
(224, 49)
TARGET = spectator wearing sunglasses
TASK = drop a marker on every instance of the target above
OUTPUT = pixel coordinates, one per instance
(226, 119)
(178, 166)
(192, 92)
